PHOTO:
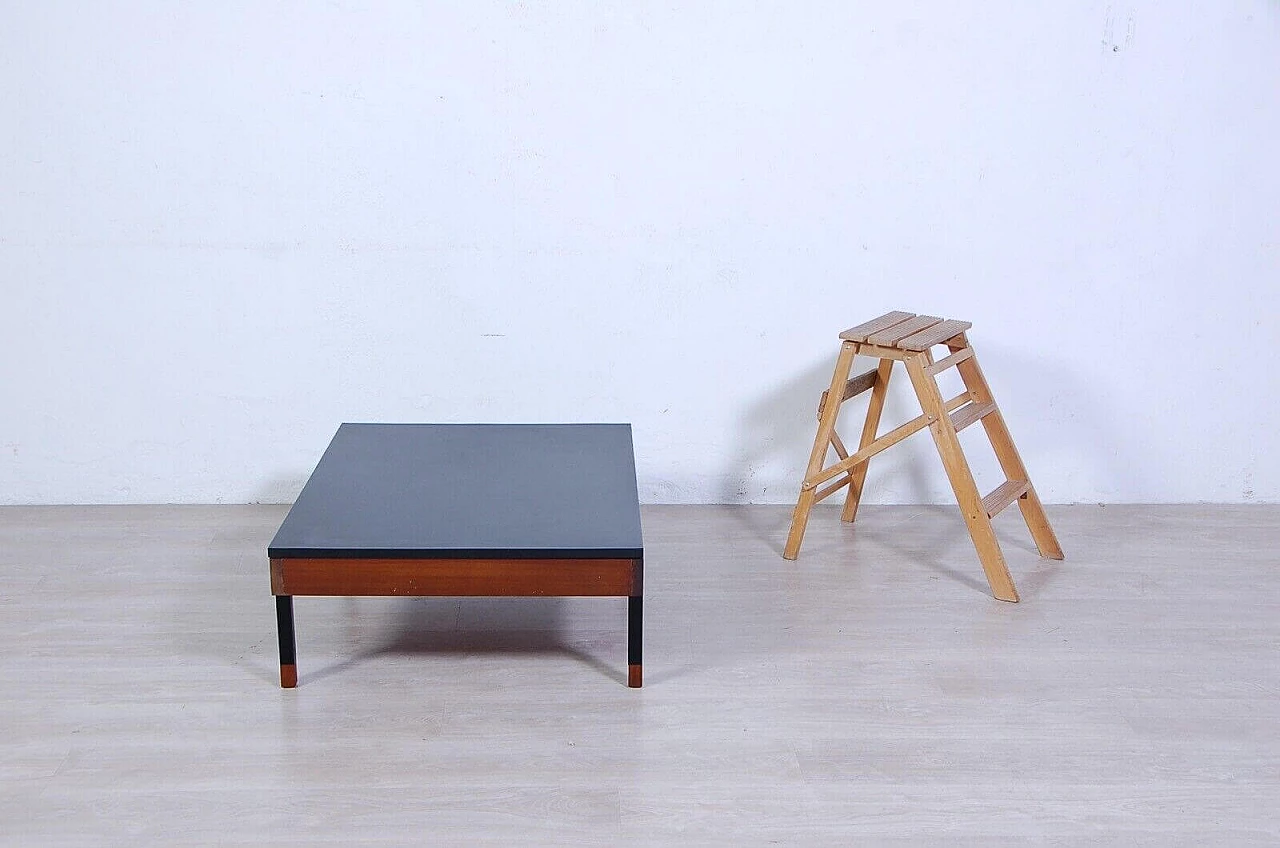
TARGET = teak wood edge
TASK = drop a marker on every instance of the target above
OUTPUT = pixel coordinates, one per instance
(457, 577)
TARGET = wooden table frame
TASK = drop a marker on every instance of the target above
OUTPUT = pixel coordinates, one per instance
(427, 577)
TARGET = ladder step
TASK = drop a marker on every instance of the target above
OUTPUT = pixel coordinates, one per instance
(970, 413)
(954, 359)
(1004, 494)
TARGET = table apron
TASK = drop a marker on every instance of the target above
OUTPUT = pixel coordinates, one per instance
(457, 577)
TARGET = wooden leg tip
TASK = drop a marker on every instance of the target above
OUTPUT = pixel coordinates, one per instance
(634, 677)
(288, 676)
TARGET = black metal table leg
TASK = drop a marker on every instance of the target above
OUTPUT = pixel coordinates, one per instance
(634, 636)
(288, 649)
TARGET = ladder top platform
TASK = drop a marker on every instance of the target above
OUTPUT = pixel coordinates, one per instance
(905, 331)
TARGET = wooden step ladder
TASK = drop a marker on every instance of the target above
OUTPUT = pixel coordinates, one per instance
(908, 338)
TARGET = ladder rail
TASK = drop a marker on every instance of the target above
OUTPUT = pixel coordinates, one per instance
(870, 427)
(962, 483)
(1008, 456)
(954, 359)
(826, 426)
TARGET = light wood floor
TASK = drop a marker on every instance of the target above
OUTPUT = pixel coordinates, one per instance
(870, 693)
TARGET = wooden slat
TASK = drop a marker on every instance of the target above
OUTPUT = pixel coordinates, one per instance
(888, 440)
(860, 332)
(823, 494)
(971, 413)
(890, 337)
(882, 352)
(859, 384)
(937, 334)
(954, 359)
(957, 402)
(841, 450)
(455, 577)
(1004, 494)
(856, 386)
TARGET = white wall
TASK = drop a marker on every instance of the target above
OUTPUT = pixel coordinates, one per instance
(227, 227)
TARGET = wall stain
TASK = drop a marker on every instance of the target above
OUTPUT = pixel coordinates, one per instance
(1118, 30)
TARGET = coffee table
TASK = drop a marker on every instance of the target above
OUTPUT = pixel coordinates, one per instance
(465, 510)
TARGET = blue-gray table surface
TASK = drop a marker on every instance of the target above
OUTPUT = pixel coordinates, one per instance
(469, 491)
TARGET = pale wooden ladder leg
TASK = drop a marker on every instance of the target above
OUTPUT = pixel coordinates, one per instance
(826, 426)
(858, 474)
(961, 477)
(1007, 453)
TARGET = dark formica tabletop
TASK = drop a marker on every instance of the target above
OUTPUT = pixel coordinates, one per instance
(510, 491)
